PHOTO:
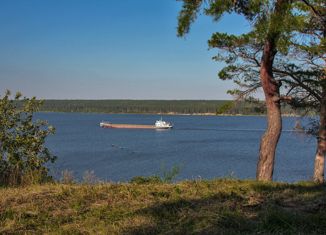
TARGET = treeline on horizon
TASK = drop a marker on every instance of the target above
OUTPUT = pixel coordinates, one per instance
(218, 107)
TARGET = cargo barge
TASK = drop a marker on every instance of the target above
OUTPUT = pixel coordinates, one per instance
(159, 124)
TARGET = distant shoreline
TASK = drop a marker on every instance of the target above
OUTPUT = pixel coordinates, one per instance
(162, 107)
(177, 114)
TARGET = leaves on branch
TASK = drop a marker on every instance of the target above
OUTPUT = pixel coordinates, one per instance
(23, 154)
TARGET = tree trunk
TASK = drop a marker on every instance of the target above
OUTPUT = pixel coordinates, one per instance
(271, 87)
(269, 140)
(321, 144)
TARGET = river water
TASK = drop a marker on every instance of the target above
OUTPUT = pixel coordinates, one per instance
(200, 146)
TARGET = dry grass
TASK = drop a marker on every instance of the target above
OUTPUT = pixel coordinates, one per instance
(189, 207)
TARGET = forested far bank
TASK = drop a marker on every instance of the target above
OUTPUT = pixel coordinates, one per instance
(134, 106)
(218, 107)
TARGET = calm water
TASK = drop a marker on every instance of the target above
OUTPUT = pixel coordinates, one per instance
(202, 146)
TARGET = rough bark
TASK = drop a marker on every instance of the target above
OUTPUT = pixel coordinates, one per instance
(271, 87)
(269, 140)
(321, 140)
(321, 143)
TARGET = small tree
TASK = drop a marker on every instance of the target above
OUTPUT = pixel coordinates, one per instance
(23, 155)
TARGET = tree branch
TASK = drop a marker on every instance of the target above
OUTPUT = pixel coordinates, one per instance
(312, 8)
(301, 84)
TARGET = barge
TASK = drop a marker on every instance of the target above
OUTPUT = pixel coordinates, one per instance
(159, 124)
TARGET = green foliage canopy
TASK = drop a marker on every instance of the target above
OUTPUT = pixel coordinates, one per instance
(299, 63)
(23, 154)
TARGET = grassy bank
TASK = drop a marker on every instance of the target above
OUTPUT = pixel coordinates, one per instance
(194, 207)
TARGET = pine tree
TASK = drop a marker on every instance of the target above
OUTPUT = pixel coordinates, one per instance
(250, 57)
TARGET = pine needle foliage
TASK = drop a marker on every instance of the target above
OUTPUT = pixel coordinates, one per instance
(299, 65)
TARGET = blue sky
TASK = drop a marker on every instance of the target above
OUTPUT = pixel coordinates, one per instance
(108, 49)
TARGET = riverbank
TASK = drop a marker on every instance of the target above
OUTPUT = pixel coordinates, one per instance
(220, 206)
(166, 107)
(183, 114)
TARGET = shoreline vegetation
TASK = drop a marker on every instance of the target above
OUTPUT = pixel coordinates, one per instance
(220, 206)
(166, 107)
(185, 114)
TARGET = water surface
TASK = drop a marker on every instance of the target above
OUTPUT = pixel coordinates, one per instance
(202, 146)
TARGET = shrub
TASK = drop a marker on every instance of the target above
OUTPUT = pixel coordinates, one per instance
(23, 154)
(89, 177)
(67, 177)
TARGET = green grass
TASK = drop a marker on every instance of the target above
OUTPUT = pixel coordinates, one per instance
(144, 207)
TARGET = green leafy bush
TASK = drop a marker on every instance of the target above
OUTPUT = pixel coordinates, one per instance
(23, 155)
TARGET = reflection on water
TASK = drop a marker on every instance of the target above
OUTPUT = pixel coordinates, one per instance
(205, 146)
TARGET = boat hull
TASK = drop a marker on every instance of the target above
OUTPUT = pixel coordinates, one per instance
(131, 126)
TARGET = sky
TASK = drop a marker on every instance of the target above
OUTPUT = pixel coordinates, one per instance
(108, 49)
